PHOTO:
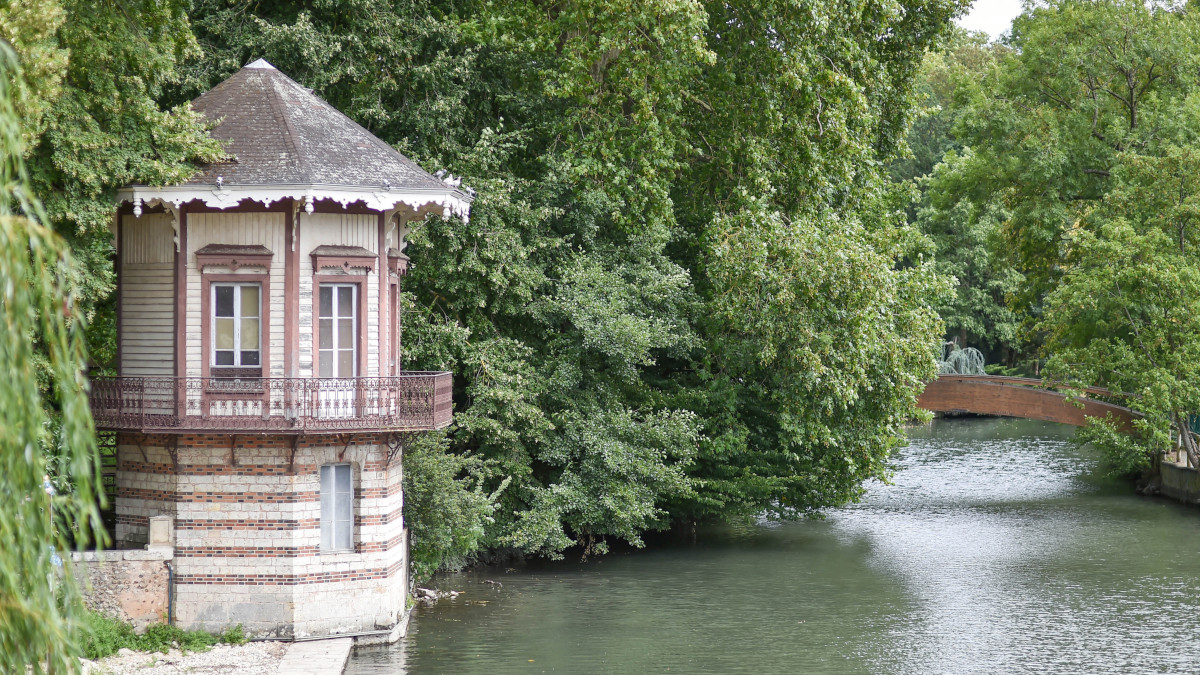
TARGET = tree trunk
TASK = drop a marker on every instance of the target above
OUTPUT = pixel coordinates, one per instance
(1189, 441)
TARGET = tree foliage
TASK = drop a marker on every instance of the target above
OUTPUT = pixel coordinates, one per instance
(1085, 85)
(1127, 312)
(39, 604)
(685, 290)
(93, 123)
(1079, 165)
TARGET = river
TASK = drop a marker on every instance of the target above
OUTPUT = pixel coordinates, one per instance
(998, 548)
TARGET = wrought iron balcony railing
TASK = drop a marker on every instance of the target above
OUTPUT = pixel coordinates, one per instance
(413, 401)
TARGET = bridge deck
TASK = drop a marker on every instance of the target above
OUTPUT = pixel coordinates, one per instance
(1016, 397)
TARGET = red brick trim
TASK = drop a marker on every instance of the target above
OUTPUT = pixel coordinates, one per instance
(289, 579)
(245, 551)
(217, 469)
(243, 497)
(146, 494)
(136, 521)
(247, 524)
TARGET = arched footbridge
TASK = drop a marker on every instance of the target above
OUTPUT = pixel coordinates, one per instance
(1024, 397)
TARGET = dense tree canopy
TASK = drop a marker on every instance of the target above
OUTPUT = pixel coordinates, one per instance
(1075, 166)
(687, 289)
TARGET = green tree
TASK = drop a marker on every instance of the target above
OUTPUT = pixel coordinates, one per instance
(606, 363)
(39, 604)
(93, 123)
(817, 320)
(1085, 85)
(964, 232)
(1126, 313)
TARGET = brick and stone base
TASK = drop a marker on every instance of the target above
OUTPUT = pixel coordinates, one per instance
(247, 515)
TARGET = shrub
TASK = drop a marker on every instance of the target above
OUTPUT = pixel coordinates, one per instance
(104, 636)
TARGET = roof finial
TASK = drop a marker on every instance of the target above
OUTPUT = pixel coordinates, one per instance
(261, 64)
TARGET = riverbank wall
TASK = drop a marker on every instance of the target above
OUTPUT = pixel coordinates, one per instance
(133, 585)
(1178, 481)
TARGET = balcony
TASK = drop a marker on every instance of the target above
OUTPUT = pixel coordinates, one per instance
(413, 401)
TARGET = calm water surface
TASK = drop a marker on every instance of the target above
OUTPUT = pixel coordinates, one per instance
(998, 549)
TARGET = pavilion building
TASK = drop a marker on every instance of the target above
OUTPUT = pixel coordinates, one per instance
(261, 401)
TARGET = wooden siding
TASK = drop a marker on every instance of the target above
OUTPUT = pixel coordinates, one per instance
(147, 296)
(336, 229)
(261, 228)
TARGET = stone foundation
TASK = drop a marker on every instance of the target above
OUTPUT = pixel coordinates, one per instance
(247, 515)
(1179, 481)
(127, 585)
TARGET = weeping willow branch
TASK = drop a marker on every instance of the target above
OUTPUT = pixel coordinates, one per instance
(41, 344)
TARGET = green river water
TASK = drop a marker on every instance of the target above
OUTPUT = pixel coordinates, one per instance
(997, 549)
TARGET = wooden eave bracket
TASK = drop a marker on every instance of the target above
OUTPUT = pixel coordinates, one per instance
(348, 442)
(292, 455)
(172, 449)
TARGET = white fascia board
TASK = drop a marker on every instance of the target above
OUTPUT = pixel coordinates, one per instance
(452, 200)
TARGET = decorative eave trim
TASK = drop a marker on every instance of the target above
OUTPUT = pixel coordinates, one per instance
(453, 201)
(342, 262)
(233, 260)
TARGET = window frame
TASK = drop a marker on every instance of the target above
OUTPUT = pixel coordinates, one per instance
(338, 523)
(237, 317)
(359, 280)
(207, 326)
(356, 329)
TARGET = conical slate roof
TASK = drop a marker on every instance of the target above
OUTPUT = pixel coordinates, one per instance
(280, 133)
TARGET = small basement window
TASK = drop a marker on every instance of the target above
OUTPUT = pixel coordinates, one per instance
(237, 316)
(337, 508)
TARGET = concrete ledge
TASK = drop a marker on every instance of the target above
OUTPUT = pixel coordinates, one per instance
(140, 555)
(317, 657)
(1179, 482)
(398, 631)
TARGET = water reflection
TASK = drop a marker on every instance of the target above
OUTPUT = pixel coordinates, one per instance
(997, 548)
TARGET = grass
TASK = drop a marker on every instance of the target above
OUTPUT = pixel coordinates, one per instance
(104, 636)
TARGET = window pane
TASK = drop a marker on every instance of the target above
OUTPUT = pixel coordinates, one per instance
(327, 508)
(224, 358)
(344, 508)
(346, 301)
(249, 334)
(224, 334)
(345, 333)
(325, 368)
(345, 363)
(326, 330)
(250, 300)
(250, 358)
(326, 301)
(224, 300)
